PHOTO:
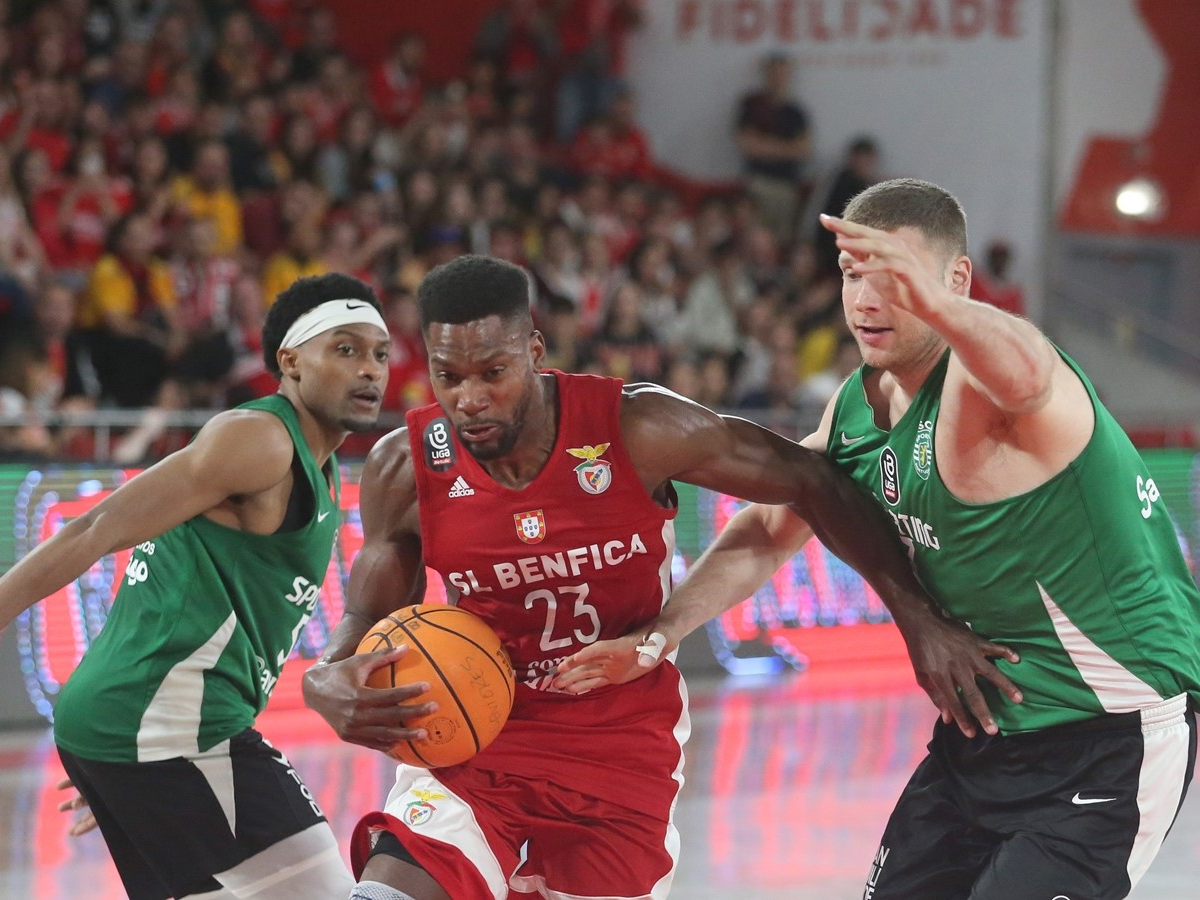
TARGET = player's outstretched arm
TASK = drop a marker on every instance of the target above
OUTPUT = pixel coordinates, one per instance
(1006, 358)
(671, 438)
(754, 544)
(387, 573)
(238, 452)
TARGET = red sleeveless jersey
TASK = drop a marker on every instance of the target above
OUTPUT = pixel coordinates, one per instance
(583, 553)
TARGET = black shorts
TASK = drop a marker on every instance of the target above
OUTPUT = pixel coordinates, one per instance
(1075, 811)
(234, 817)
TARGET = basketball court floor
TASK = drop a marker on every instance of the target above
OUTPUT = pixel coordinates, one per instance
(789, 781)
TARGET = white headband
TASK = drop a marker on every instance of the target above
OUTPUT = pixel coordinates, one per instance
(328, 315)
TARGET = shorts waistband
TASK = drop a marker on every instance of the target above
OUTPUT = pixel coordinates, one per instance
(1164, 715)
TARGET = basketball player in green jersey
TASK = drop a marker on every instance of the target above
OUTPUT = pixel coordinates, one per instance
(232, 536)
(1028, 514)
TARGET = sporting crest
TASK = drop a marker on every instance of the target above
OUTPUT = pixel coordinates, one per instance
(923, 450)
(594, 473)
(531, 526)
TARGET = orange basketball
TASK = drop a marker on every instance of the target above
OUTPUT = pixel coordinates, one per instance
(469, 674)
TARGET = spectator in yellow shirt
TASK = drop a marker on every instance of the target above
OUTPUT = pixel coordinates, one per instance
(129, 316)
(299, 258)
(206, 193)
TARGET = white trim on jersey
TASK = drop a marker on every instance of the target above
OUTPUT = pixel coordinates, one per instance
(216, 765)
(170, 725)
(1117, 689)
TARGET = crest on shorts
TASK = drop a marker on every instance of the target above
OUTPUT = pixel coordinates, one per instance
(419, 811)
(531, 526)
(594, 473)
(923, 449)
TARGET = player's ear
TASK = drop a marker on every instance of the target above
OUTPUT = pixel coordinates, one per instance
(537, 349)
(289, 362)
(960, 276)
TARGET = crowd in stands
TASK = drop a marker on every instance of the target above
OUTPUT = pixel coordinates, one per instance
(167, 167)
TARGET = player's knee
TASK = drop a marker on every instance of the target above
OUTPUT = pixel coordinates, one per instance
(391, 863)
(374, 890)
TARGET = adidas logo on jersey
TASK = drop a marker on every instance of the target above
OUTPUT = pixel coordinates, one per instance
(460, 488)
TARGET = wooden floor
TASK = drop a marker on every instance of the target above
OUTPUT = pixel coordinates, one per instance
(789, 781)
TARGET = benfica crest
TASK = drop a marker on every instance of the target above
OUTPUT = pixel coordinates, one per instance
(418, 811)
(531, 526)
(594, 473)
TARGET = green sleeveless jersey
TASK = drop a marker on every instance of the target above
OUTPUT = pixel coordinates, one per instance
(1083, 576)
(202, 623)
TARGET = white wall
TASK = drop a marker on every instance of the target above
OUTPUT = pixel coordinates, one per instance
(957, 91)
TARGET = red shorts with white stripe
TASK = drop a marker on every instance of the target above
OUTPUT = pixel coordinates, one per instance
(521, 837)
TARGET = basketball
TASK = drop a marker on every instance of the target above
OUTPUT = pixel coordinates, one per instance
(469, 674)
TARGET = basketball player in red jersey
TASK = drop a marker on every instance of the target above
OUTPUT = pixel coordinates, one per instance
(545, 501)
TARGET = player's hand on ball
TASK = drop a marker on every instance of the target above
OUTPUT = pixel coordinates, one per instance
(610, 662)
(85, 821)
(372, 717)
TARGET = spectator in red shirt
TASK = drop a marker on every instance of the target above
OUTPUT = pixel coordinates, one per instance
(238, 63)
(408, 368)
(396, 86)
(169, 49)
(612, 146)
(592, 36)
(42, 122)
(994, 284)
(521, 40)
(630, 147)
(40, 190)
(337, 88)
(89, 203)
(176, 109)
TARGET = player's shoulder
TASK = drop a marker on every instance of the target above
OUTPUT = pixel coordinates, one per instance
(389, 461)
(254, 430)
(651, 411)
(646, 399)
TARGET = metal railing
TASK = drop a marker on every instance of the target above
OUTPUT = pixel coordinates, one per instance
(107, 426)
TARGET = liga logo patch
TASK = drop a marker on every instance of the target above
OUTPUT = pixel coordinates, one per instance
(439, 449)
(594, 473)
(889, 476)
(531, 526)
(419, 811)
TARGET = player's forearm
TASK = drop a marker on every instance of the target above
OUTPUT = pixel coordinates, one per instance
(856, 529)
(1009, 359)
(745, 555)
(345, 637)
(49, 566)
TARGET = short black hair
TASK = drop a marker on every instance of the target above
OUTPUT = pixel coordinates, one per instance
(305, 294)
(472, 287)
